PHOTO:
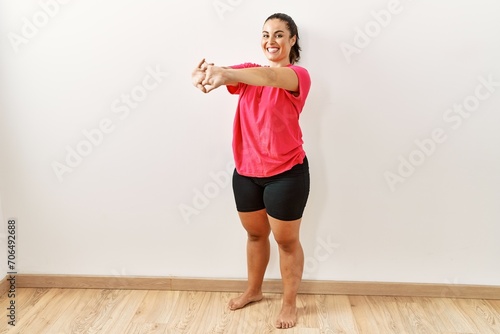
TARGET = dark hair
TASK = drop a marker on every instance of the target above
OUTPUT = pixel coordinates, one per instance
(292, 27)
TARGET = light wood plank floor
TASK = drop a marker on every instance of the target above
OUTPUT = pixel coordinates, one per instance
(71, 311)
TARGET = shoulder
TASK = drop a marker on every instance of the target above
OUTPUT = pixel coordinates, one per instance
(301, 71)
(303, 77)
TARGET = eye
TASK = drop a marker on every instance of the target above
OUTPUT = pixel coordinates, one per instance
(265, 36)
(279, 35)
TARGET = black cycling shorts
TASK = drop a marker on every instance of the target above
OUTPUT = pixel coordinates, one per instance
(284, 196)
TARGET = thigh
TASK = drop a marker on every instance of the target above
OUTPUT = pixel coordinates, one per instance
(285, 233)
(285, 195)
(256, 223)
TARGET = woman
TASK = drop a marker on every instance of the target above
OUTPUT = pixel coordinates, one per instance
(271, 178)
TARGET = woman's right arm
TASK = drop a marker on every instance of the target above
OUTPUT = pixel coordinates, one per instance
(281, 77)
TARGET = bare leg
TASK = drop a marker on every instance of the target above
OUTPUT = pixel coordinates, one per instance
(258, 249)
(291, 255)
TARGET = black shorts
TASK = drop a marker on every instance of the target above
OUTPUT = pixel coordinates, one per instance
(284, 196)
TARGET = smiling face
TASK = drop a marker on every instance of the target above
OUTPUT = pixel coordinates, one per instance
(277, 42)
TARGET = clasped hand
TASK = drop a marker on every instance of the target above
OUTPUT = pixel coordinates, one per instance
(207, 77)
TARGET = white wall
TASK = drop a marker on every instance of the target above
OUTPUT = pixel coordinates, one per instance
(118, 211)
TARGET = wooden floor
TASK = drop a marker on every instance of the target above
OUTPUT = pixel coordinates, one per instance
(71, 311)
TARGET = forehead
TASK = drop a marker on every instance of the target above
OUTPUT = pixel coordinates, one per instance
(275, 25)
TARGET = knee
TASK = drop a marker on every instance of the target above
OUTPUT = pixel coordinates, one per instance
(288, 244)
(257, 236)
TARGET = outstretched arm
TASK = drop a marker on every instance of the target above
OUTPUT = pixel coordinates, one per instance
(281, 77)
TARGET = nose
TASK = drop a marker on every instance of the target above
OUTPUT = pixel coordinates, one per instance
(272, 39)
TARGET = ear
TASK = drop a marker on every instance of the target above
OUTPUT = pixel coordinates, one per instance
(293, 40)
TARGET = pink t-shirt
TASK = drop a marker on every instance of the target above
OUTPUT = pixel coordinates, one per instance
(267, 139)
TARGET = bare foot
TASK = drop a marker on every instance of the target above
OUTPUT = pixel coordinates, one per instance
(243, 300)
(287, 317)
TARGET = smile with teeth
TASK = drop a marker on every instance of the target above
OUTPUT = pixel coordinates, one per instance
(272, 50)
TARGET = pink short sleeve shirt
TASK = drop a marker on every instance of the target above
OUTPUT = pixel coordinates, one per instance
(267, 139)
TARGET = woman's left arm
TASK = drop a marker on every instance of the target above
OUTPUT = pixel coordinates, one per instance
(281, 77)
